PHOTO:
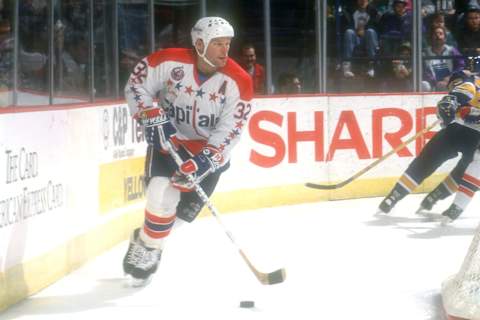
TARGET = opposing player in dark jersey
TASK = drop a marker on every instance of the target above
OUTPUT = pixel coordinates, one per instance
(465, 177)
(460, 134)
(203, 104)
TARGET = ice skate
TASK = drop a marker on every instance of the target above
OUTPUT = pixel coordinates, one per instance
(431, 199)
(390, 201)
(140, 262)
(451, 214)
(427, 204)
(398, 193)
(386, 206)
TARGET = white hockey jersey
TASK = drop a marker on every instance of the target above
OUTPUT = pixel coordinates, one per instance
(213, 112)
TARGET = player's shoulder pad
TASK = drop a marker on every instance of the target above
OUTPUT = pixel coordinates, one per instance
(171, 54)
(459, 77)
(241, 77)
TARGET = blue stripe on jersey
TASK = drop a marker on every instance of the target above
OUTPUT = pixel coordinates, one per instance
(158, 227)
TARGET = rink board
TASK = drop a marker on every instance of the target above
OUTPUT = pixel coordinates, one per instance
(71, 180)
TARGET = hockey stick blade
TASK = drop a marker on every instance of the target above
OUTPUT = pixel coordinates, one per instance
(274, 277)
(373, 164)
(270, 278)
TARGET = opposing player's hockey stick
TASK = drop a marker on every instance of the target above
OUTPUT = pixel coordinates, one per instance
(373, 164)
(274, 277)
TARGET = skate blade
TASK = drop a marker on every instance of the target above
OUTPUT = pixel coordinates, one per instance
(422, 212)
(136, 282)
(430, 216)
(446, 221)
(380, 213)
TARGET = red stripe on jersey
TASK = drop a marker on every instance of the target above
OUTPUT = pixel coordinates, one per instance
(472, 180)
(171, 54)
(466, 191)
(231, 69)
(241, 77)
(156, 234)
(159, 220)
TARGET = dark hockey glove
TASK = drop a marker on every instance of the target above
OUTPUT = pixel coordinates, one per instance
(198, 167)
(158, 128)
(446, 109)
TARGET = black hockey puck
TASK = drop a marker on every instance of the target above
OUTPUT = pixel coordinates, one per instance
(247, 304)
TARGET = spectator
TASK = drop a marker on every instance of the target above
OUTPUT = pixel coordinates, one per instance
(289, 83)
(438, 71)
(428, 8)
(128, 60)
(6, 54)
(6, 63)
(133, 25)
(360, 37)
(437, 19)
(73, 76)
(256, 71)
(397, 72)
(33, 45)
(462, 6)
(446, 6)
(468, 35)
(395, 27)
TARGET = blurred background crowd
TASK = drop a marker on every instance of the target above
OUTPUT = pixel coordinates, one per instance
(85, 49)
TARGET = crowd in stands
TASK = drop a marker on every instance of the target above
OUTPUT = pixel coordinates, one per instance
(373, 46)
(377, 37)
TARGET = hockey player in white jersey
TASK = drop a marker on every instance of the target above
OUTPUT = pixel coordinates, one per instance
(204, 100)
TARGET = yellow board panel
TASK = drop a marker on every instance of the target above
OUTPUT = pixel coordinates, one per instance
(121, 183)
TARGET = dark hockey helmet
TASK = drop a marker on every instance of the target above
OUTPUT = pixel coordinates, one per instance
(473, 64)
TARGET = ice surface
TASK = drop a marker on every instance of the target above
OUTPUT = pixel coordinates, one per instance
(342, 263)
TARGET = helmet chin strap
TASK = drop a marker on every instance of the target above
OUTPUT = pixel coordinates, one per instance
(202, 55)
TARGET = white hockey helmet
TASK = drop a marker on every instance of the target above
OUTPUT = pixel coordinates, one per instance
(208, 28)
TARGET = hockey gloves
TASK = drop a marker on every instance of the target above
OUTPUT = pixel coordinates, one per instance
(198, 167)
(158, 128)
(470, 115)
(446, 109)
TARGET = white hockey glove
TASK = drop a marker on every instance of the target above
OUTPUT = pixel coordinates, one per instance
(199, 167)
(470, 115)
(446, 109)
(158, 128)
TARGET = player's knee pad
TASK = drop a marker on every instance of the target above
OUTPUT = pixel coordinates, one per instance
(162, 198)
(473, 168)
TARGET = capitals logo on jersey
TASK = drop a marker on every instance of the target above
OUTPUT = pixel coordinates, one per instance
(211, 109)
(177, 73)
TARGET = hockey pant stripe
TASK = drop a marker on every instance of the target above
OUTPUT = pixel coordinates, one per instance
(158, 227)
(465, 190)
(408, 183)
(472, 180)
(469, 185)
(451, 184)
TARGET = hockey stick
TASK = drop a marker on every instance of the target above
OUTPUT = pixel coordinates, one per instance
(373, 164)
(274, 277)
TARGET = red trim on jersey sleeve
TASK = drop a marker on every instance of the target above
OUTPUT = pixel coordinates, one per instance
(171, 54)
(241, 77)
